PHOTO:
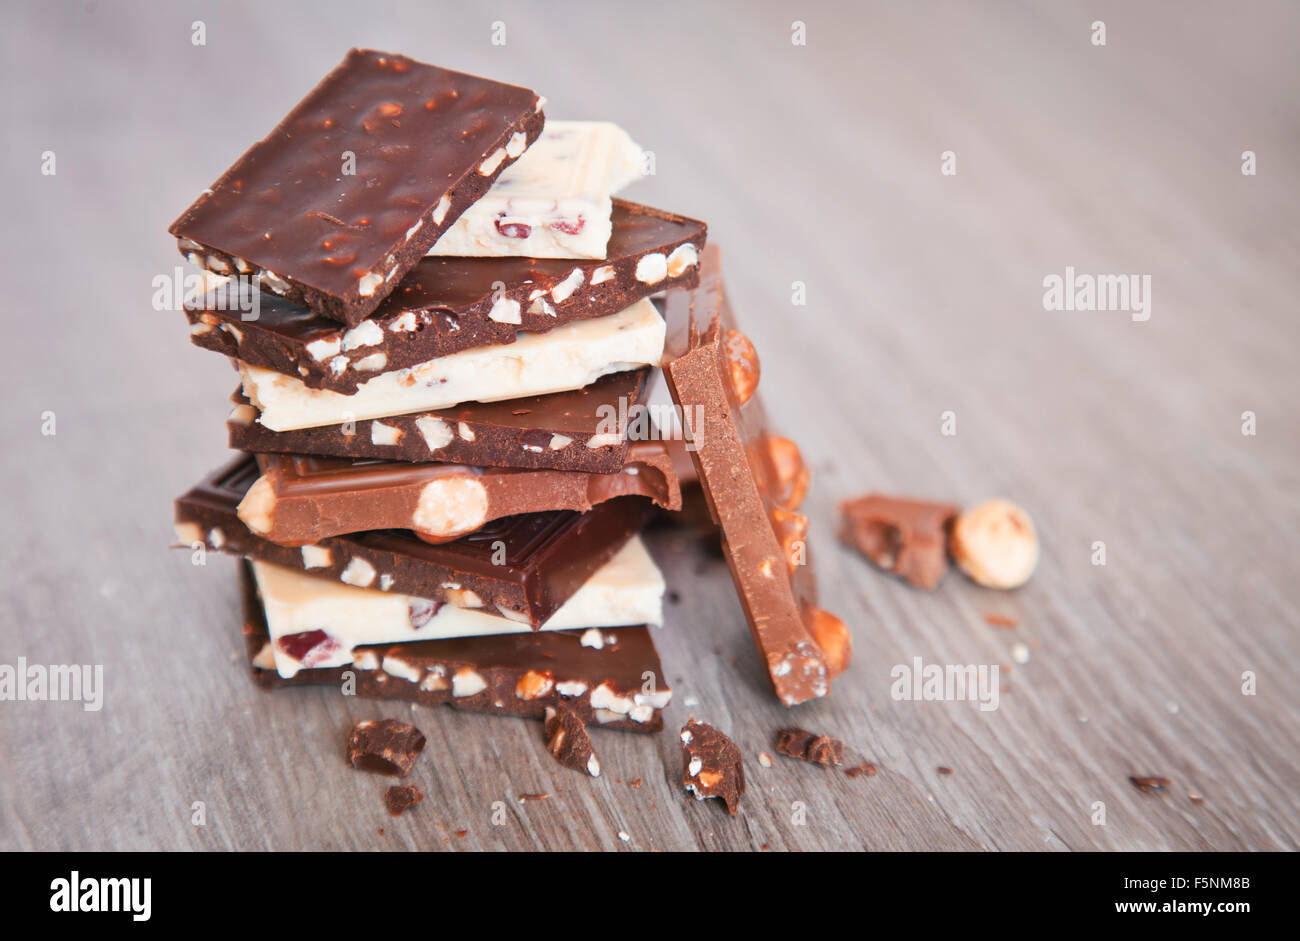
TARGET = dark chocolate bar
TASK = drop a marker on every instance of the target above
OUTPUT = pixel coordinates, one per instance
(302, 499)
(524, 566)
(753, 482)
(350, 190)
(580, 430)
(446, 305)
(618, 686)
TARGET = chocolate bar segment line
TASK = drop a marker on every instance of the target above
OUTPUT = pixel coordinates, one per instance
(445, 305)
(301, 499)
(580, 430)
(358, 181)
(568, 357)
(544, 557)
(621, 686)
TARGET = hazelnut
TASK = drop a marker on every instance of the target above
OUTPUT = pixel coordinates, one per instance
(792, 474)
(832, 636)
(994, 543)
(792, 532)
(742, 360)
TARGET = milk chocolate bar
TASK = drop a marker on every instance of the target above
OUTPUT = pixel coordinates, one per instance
(754, 482)
(302, 499)
(616, 686)
(350, 190)
(554, 202)
(445, 305)
(569, 357)
(523, 567)
(579, 430)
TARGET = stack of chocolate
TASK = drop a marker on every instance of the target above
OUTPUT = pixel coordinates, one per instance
(442, 323)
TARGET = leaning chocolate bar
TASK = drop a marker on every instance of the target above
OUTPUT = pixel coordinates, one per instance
(522, 567)
(301, 499)
(619, 685)
(583, 429)
(446, 305)
(350, 190)
(754, 482)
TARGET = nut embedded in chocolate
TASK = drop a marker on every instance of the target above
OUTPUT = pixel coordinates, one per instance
(711, 765)
(386, 746)
(809, 746)
(904, 537)
(401, 797)
(567, 740)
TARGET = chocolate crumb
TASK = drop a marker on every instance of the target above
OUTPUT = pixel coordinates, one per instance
(461, 833)
(944, 769)
(567, 740)
(711, 765)
(635, 782)
(1146, 785)
(386, 746)
(401, 797)
(809, 746)
(533, 797)
(1001, 620)
(1196, 798)
(866, 768)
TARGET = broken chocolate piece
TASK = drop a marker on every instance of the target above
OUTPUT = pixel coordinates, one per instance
(866, 768)
(711, 765)
(402, 797)
(905, 537)
(447, 305)
(302, 499)
(567, 740)
(562, 431)
(386, 746)
(522, 567)
(500, 674)
(357, 182)
(753, 482)
(809, 746)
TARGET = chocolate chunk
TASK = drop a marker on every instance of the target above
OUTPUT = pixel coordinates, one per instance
(485, 434)
(387, 746)
(754, 482)
(524, 567)
(809, 746)
(905, 537)
(567, 740)
(350, 190)
(301, 499)
(446, 305)
(711, 765)
(401, 797)
(500, 674)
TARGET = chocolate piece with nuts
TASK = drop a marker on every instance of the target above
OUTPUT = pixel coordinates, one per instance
(401, 797)
(753, 481)
(302, 499)
(386, 746)
(994, 543)
(567, 740)
(711, 765)
(904, 537)
(561, 431)
(809, 746)
(424, 144)
(499, 674)
(446, 305)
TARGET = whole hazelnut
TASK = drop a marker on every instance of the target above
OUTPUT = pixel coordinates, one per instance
(994, 543)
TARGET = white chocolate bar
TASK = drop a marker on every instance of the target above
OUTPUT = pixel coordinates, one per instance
(554, 201)
(569, 357)
(626, 590)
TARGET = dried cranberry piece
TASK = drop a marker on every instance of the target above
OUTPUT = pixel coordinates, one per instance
(422, 611)
(569, 226)
(308, 647)
(513, 230)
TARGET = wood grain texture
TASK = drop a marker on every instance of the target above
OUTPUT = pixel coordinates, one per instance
(817, 164)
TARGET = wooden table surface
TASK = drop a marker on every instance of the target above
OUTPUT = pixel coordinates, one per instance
(820, 164)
